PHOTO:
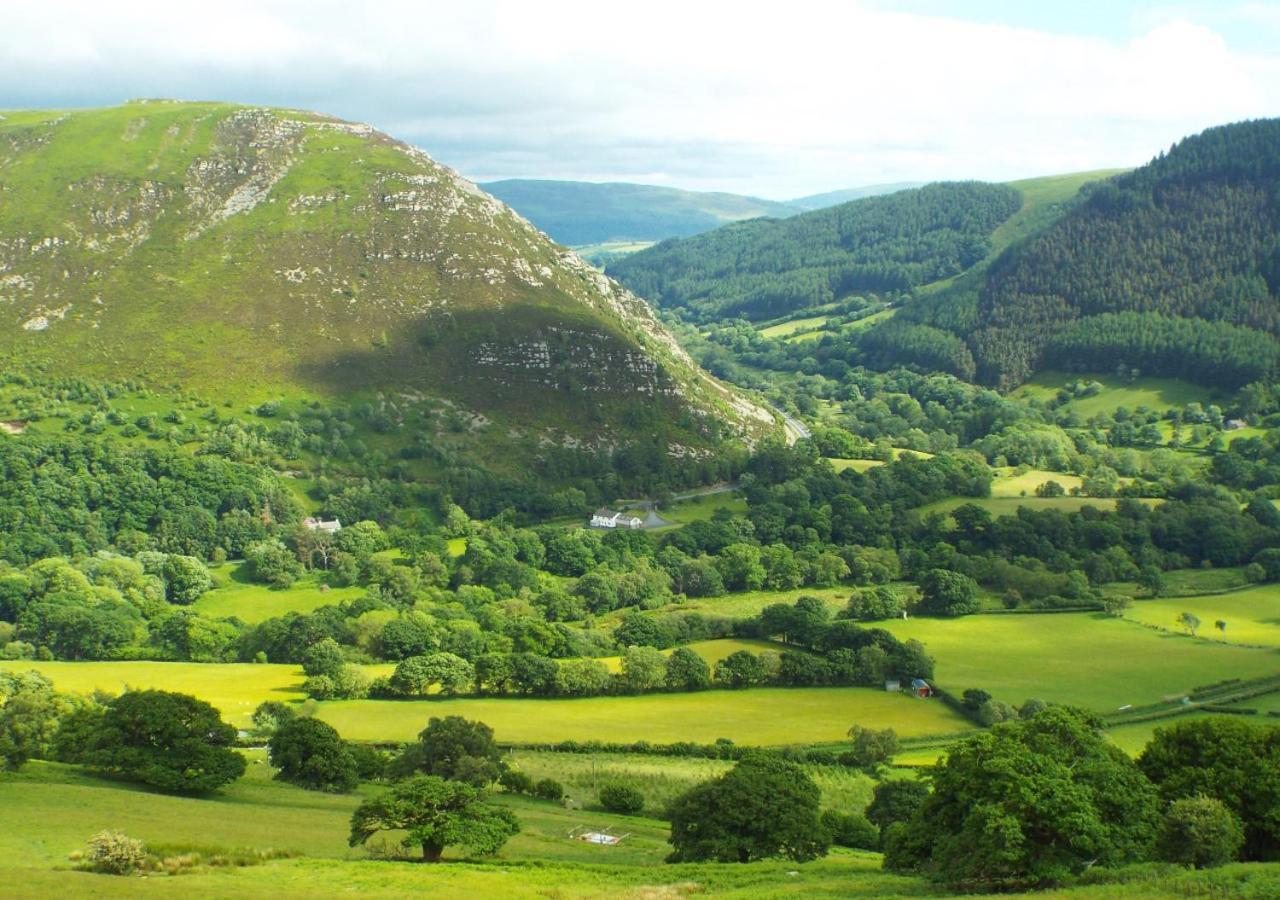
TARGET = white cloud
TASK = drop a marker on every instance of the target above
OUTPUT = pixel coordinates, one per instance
(771, 99)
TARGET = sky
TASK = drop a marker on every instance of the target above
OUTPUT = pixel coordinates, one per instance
(776, 99)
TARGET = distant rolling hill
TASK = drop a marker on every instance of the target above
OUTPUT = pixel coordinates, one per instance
(248, 252)
(580, 213)
(835, 198)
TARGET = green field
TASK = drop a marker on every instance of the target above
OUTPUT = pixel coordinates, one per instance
(235, 595)
(1084, 659)
(761, 716)
(1157, 394)
(1008, 506)
(749, 603)
(1008, 483)
(662, 778)
(1252, 615)
(235, 689)
(53, 810)
(785, 329)
(858, 465)
(703, 507)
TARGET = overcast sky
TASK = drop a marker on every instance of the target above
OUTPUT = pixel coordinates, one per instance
(776, 99)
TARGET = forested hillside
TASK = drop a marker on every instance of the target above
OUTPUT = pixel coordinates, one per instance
(1195, 234)
(767, 267)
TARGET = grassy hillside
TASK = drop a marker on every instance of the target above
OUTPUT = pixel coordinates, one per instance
(579, 213)
(250, 253)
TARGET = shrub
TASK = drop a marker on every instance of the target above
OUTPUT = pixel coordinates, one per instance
(851, 830)
(621, 798)
(1200, 832)
(516, 782)
(548, 789)
(116, 853)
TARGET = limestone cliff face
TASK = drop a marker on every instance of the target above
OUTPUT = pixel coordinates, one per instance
(252, 250)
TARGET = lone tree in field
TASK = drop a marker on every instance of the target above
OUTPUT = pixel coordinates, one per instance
(454, 748)
(310, 754)
(762, 807)
(1189, 621)
(435, 814)
(171, 741)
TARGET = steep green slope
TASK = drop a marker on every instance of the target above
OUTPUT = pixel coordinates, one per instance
(248, 252)
(1195, 234)
(578, 213)
(768, 267)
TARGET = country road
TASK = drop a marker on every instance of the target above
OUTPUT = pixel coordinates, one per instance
(795, 429)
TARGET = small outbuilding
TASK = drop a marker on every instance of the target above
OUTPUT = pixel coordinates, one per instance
(921, 688)
(892, 685)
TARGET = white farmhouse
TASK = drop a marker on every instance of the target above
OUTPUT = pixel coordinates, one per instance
(321, 525)
(607, 518)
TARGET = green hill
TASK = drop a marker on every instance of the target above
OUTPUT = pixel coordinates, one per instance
(248, 253)
(579, 213)
(880, 245)
(1171, 269)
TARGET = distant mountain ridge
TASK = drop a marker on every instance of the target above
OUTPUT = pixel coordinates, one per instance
(246, 251)
(835, 198)
(582, 213)
(578, 213)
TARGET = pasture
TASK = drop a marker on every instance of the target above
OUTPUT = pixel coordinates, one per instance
(785, 329)
(749, 603)
(1085, 659)
(1252, 616)
(661, 778)
(1158, 394)
(702, 507)
(1009, 483)
(234, 688)
(760, 716)
(1008, 506)
(235, 595)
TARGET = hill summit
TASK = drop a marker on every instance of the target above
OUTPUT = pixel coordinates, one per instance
(249, 252)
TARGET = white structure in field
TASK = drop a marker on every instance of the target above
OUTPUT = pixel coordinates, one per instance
(607, 518)
(322, 525)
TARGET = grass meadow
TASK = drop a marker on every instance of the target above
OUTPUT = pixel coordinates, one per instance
(1085, 659)
(235, 595)
(760, 716)
(1252, 616)
(661, 779)
(1158, 394)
